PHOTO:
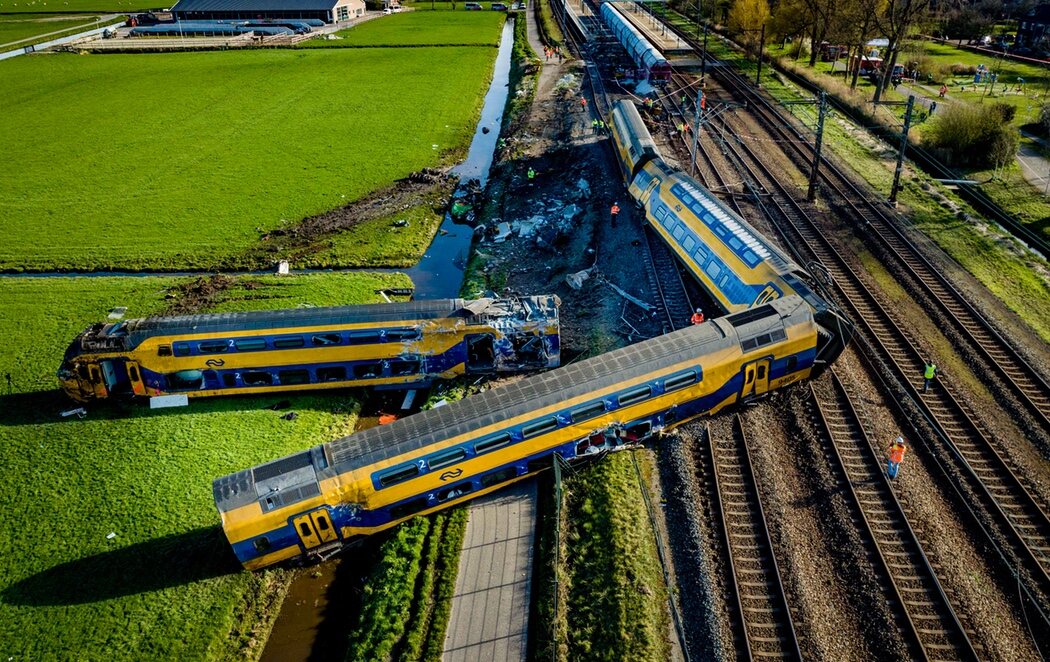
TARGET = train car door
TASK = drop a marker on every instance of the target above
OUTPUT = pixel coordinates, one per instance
(114, 377)
(304, 526)
(323, 525)
(135, 377)
(756, 378)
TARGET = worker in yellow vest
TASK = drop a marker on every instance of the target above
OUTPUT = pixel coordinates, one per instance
(928, 375)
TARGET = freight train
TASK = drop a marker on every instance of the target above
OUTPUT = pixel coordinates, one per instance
(390, 345)
(728, 257)
(312, 504)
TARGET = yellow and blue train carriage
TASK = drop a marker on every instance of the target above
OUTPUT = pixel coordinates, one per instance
(387, 345)
(315, 502)
(734, 262)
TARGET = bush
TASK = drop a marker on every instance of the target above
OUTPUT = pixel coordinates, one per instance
(963, 69)
(966, 135)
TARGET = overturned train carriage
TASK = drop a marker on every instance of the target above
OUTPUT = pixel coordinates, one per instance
(387, 345)
(313, 503)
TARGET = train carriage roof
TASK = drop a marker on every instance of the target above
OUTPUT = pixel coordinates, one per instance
(140, 329)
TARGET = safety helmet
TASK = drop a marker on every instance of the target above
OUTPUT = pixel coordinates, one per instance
(699, 310)
(900, 441)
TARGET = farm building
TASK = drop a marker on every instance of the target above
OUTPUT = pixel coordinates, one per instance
(328, 11)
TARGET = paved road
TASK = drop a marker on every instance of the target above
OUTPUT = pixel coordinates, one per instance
(490, 609)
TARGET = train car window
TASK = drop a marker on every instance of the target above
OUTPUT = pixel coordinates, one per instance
(750, 258)
(331, 374)
(322, 523)
(95, 377)
(539, 427)
(446, 458)
(291, 377)
(261, 544)
(229, 380)
(455, 491)
(257, 378)
(398, 475)
(688, 243)
(498, 477)
(634, 395)
(250, 344)
(792, 363)
(680, 380)
(305, 529)
(725, 279)
(406, 509)
(720, 230)
(403, 368)
(325, 339)
(134, 372)
(83, 372)
(367, 371)
(700, 254)
(182, 349)
(212, 346)
(290, 342)
(669, 221)
(164, 350)
(678, 232)
(492, 443)
(397, 335)
(587, 411)
(735, 243)
(713, 270)
(538, 464)
(363, 337)
(660, 213)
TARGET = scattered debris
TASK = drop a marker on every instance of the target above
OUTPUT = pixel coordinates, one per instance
(440, 403)
(283, 269)
(111, 535)
(567, 82)
(401, 223)
(290, 416)
(584, 187)
(386, 419)
(635, 300)
(278, 406)
(118, 313)
(503, 231)
(79, 412)
(577, 279)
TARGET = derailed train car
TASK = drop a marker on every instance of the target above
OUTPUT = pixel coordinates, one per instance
(314, 503)
(738, 266)
(387, 345)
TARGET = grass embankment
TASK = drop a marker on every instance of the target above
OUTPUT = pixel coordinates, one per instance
(25, 29)
(381, 242)
(550, 32)
(465, 28)
(408, 596)
(614, 596)
(166, 585)
(75, 6)
(1018, 278)
(224, 147)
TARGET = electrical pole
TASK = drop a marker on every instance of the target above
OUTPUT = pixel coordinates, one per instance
(696, 128)
(900, 154)
(761, 46)
(703, 59)
(812, 193)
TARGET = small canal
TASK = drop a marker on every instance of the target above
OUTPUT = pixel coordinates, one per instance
(323, 600)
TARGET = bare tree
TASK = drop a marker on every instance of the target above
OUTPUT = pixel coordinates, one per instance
(895, 21)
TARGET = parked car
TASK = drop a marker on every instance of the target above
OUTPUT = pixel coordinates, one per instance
(472, 6)
(499, 6)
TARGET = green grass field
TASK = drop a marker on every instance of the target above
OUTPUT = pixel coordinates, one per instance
(446, 28)
(77, 6)
(187, 162)
(19, 31)
(166, 586)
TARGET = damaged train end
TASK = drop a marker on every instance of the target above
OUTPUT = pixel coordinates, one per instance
(521, 335)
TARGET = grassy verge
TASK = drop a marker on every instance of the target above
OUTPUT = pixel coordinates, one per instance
(165, 585)
(466, 28)
(58, 7)
(550, 33)
(226, 146)
(616, 596)
(446, 570)
(1019, 278)
(27, 29)
(389, 592)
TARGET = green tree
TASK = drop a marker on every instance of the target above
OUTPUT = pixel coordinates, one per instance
(746, 18)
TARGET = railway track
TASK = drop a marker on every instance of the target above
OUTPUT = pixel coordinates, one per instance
(920, 607)
(868, 215)
(1001, 496)
(762, 623)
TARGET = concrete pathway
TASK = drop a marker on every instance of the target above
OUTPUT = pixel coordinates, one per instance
(490, 609)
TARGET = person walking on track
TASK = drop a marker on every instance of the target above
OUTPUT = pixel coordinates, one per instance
(697, 317)
(583, 104)
(928, 375)
(614, 212)
(894, 457)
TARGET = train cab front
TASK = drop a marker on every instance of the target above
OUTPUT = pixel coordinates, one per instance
(75, 373)
(834, 332)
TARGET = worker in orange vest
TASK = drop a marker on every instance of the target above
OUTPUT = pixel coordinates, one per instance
(614, 212)
(697, 317)
(895, 455)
